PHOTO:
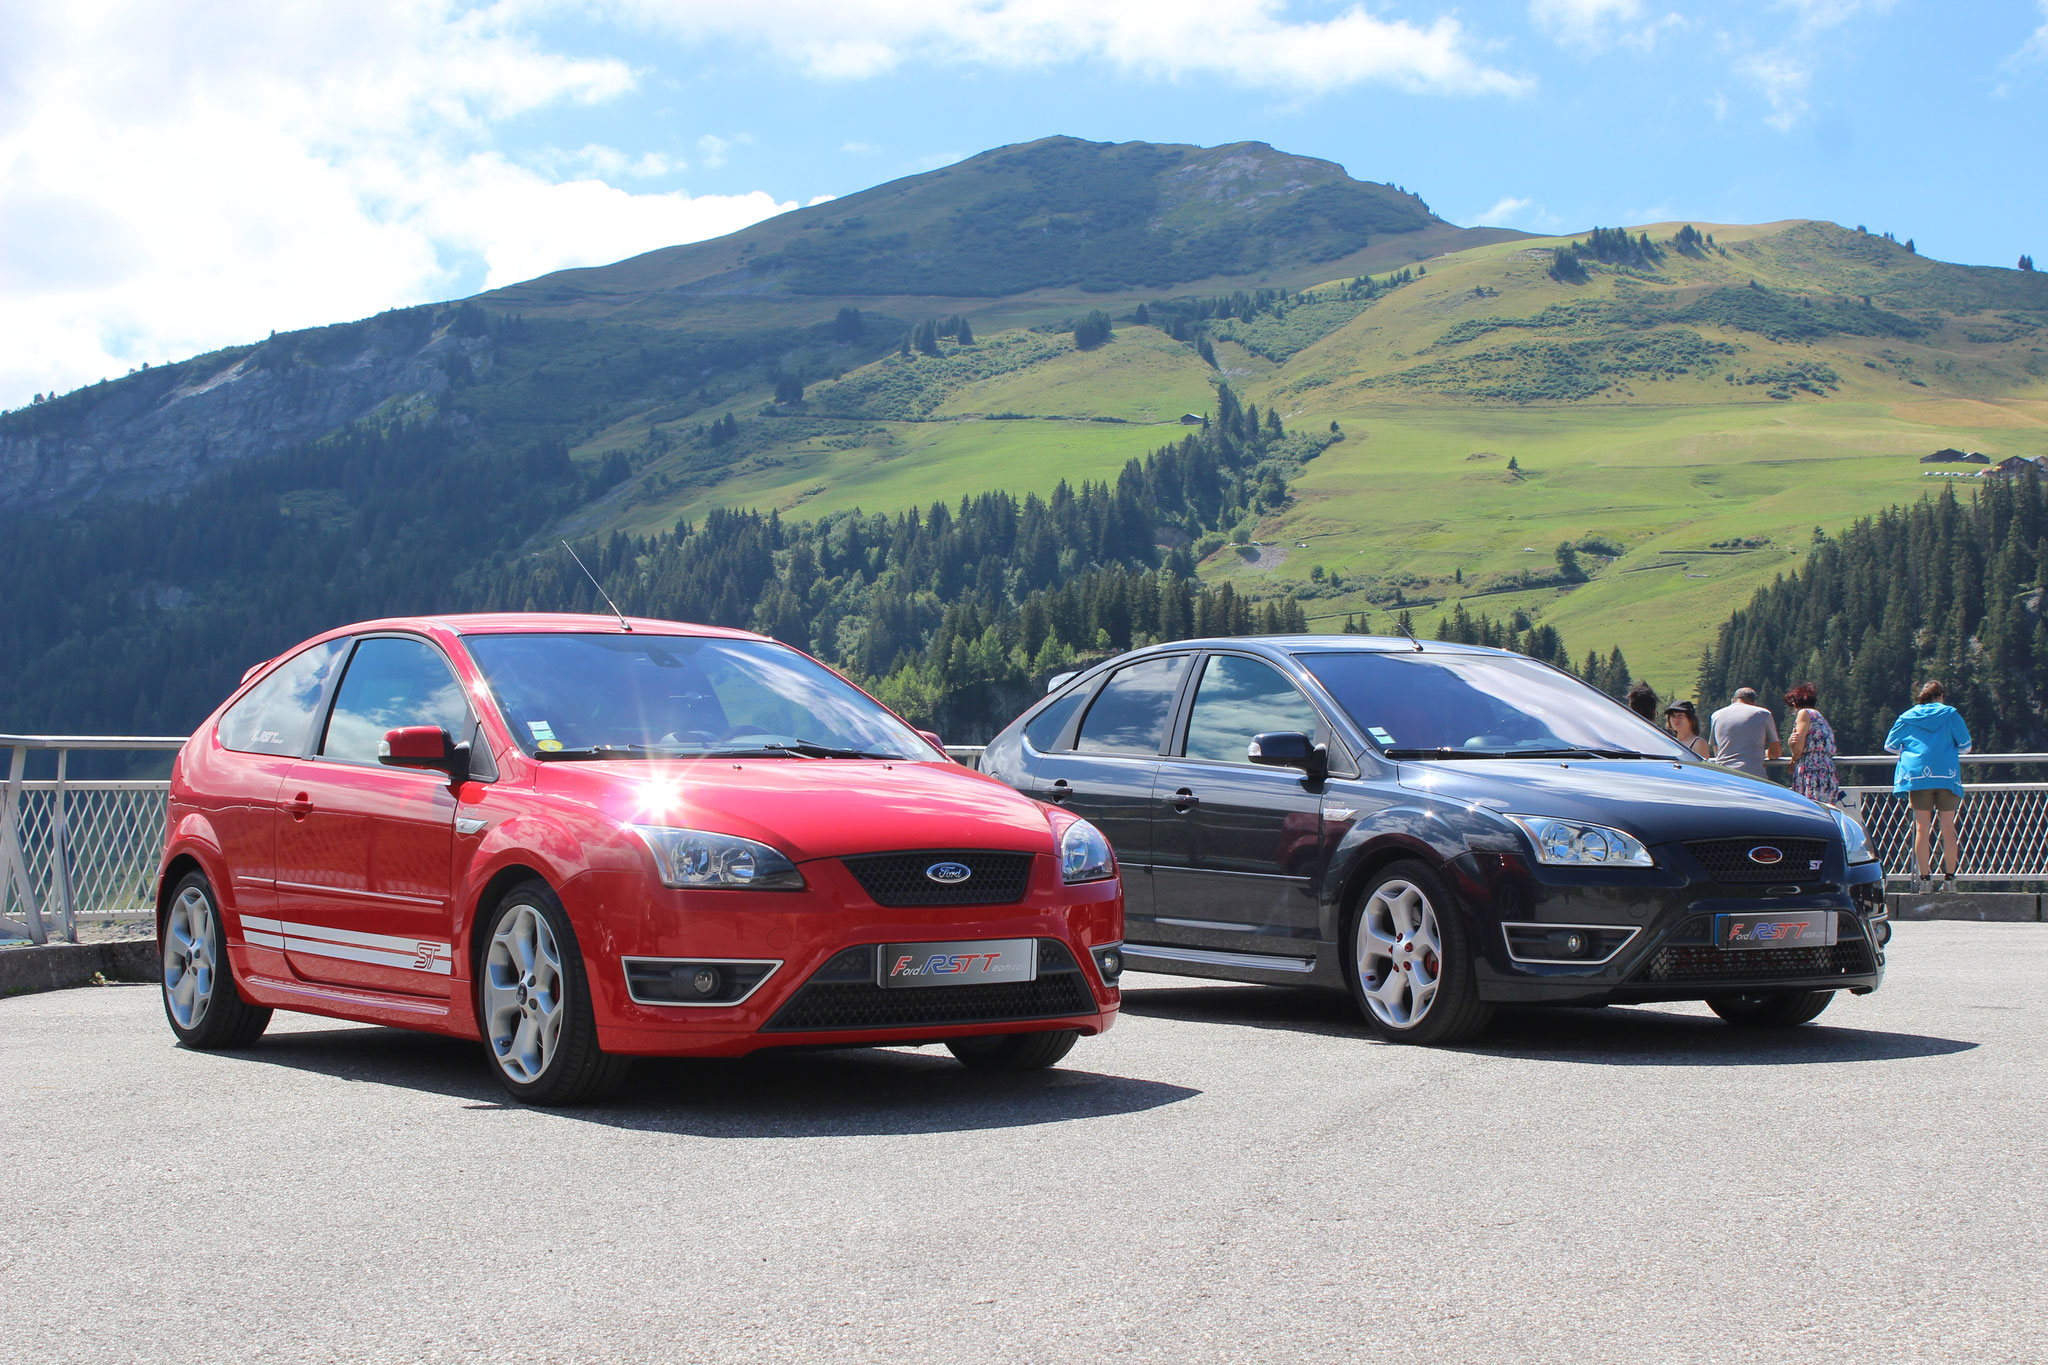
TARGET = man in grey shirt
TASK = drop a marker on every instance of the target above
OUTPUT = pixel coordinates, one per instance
(1745, 734)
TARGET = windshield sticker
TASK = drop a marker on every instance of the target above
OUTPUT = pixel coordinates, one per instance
(541, 729)
(549, 746)
(1381, 735)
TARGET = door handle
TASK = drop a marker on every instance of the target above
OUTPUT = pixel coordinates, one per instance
(1185, 800)
(1060, 791)
(300, 806)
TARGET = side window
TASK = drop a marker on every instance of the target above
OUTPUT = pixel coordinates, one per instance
(278, 715)
(390, 682)
(1044, 730)
(1238, 698)
(1130, 712)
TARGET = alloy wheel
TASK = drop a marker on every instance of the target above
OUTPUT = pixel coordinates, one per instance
(1400, 954)
(523, 1004)
(188, 957)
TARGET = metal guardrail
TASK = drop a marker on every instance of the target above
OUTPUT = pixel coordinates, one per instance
(74, 849)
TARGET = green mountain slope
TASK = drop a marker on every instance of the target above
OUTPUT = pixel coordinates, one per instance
(1692, 416)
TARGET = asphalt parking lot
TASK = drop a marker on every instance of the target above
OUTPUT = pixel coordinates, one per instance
(1234, 1173)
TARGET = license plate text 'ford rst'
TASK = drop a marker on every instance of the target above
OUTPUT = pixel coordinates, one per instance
(971, 963)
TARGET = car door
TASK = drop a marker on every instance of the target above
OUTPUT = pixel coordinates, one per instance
(365, 851)
(263, 735)
(1236, 847)
(1106, 775)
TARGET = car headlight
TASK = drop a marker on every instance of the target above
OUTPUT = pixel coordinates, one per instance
(1855, 836)
(1084, 854)
(1573, 843)
(697, 858)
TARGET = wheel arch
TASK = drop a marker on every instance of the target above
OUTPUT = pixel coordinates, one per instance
(174, 872)
(495, 889)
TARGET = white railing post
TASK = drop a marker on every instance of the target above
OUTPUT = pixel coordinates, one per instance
(60, 856)
(13, 862)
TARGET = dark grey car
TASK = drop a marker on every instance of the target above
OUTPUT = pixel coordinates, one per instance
(1437, 829)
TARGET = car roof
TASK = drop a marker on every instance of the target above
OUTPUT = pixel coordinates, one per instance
(541, 622)
(1319, 644)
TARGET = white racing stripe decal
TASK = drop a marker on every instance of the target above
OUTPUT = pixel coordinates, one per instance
(350, 945)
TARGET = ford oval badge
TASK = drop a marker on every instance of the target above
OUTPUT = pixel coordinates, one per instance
(949, 874)
(1766, 855)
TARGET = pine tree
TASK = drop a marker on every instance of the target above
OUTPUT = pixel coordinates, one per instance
(2026, 263)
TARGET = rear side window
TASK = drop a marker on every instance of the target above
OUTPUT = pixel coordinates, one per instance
(392, 682)
(1044, 730)
(1239, 698)
(1130, 713)
(278, 715)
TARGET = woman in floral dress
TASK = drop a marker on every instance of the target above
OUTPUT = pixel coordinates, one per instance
(1812, 749)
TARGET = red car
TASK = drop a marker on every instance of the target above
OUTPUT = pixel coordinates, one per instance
(579, 839)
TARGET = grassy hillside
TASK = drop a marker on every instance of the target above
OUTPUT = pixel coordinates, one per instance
(1691, 415)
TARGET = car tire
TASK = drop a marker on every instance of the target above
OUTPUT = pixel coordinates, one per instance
(1404, 924)
(1771, 1009)
(1015, 1051)
(533, 1004)
(205, 1007)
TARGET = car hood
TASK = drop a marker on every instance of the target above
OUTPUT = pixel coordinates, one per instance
(1658, 802)
(812, 808)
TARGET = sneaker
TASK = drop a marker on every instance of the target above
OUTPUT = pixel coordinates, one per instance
(1948, 886)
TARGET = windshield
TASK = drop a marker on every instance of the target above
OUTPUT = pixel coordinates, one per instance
(614, 696)
(1481, 706)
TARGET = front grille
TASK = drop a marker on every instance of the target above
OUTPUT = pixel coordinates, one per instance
(1728, 860)
(843, 995)
(899, 878)
(1699, 962)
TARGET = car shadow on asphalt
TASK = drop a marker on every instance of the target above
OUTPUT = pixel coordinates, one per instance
(1640, 1035)
(852, 1092)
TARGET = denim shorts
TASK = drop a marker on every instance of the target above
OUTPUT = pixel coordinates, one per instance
(1935, 798)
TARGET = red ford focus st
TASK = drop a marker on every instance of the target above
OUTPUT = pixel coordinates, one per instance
(580, 839)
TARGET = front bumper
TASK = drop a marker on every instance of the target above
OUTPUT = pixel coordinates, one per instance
(1671, 954)
(821, 940)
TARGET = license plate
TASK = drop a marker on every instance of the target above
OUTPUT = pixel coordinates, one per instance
(977, 962)
(1797, 929)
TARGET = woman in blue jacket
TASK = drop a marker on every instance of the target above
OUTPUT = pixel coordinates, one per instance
(1930, 740)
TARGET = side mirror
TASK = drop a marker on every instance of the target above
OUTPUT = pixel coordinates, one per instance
(422, 746)
(931, 737)
(1288, 749)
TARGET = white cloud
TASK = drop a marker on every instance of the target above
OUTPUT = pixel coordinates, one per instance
(1515, 211)
(176, 177)
(1584, 20)
(859, 148)
(713, 147)
(1246, 42)
(1784, 72)
(2036, 47)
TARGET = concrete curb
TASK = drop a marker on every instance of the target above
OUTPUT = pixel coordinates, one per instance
(56, 966)
(2012, 907)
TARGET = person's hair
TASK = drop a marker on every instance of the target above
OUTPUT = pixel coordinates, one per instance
(1931, 690)
(1685, 709)
(1642, 699)
(1747, 694)
(1802, 695)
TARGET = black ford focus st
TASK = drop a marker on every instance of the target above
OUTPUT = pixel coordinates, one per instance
(1439, 829)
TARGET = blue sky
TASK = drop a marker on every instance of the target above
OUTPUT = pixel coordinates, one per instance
(176, 176)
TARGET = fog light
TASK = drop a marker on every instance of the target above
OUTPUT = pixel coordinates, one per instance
(1109, 961)
(1570, 943)
(705, 982)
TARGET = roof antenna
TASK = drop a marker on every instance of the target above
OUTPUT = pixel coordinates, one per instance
(1401, 624)
(623, 623)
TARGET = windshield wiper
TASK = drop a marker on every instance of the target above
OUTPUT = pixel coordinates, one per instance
(803, 746)
(606, 751)
(1505, 753)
